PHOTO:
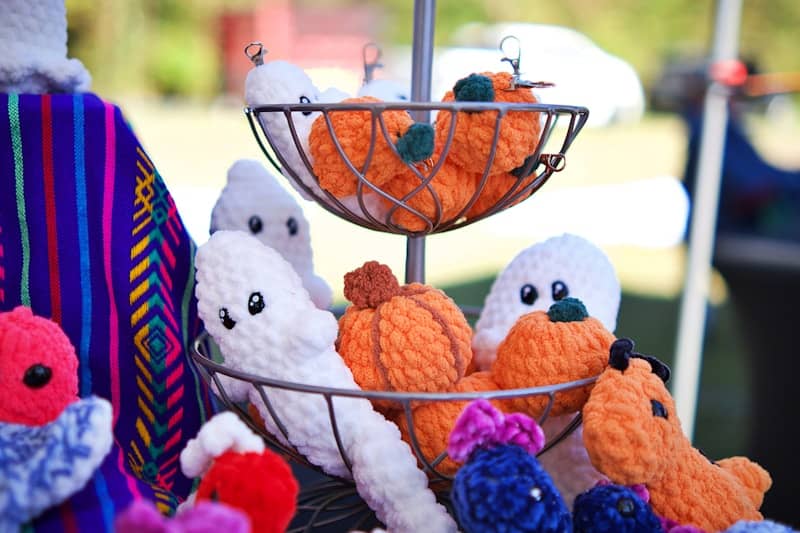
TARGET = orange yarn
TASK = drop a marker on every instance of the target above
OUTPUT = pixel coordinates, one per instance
(414, 338)
(452, 185)
(628, 443)
(539, 352)
(433, 421)
(536, 352)
(474, 132)
(496, 186)
(353, 130)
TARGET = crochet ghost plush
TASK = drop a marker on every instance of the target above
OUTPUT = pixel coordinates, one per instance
(545, 273)
(255, 307)
(254, 202)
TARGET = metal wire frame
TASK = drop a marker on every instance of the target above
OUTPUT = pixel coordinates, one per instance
(315, 499)
(540, 164)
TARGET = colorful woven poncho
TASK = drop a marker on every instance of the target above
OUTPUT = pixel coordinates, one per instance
(90, 237)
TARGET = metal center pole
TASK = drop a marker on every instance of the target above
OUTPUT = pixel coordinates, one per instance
(689, 353)
(421, 68)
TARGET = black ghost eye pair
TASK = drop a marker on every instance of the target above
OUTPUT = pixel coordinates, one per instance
(528, 293)
(256, 225)
(255, 304)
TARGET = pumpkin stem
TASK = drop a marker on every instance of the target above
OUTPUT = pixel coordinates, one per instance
(370, 285)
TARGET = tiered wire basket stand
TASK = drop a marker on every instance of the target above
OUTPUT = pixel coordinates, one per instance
(332, 504)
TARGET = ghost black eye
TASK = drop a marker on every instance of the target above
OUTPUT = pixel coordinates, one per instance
(37, 376)
(226, 319)
(255, 304)
(292, 226)
(255, 224)
(658, 409)
(305, 100)
(625, 507)
(560, 290)
(528, 294)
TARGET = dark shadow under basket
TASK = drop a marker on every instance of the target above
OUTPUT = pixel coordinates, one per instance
(548, 157)
(328, 501)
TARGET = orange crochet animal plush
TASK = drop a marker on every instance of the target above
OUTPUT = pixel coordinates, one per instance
(633, 436)
(409, 338)
(543, 348)
(354, 130)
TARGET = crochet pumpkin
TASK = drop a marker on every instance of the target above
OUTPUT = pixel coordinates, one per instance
(543, 348)
(452, 185)
(393, 338)
(633, 436)
(474, 135)
(353, 130)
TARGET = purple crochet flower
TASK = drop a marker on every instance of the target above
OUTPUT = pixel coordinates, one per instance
(480, 425)
(205, 517)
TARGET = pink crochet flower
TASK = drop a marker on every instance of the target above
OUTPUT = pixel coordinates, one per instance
(480, 425)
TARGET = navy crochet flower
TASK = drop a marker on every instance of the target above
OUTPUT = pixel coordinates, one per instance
(613, 509)
(505, 489)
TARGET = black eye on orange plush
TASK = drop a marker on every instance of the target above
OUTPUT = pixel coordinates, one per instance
(659, 409)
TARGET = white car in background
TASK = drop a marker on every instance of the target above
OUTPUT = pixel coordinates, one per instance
(583, 73)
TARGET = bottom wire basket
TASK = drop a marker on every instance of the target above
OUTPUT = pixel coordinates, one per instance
(329, 503)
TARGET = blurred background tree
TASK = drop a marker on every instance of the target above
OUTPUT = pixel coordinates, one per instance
(171, 47)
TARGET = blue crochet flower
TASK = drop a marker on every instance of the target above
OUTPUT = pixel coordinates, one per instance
(505, 489)
(613, 509)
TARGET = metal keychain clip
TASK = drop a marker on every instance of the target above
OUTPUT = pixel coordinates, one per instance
(370, 66)
(256, 56)
(516, 80)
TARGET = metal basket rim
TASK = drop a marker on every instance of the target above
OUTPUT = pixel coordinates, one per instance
(420, 106)
(200, 358)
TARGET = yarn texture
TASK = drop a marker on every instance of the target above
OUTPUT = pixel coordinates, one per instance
(613, 509)
(141, 516)
(632, 441)
(410, 338)
(256, 309)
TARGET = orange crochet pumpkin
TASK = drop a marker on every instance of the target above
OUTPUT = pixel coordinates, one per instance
(393, 338)
(353, 130)
(543, 348)
(633, 435)
(496, 186)
(474, 131)
(433, 421)
(452, 185)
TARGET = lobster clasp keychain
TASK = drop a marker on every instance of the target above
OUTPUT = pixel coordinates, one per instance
(514, 60)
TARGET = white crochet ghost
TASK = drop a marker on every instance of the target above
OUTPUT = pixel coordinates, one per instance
(280, 82)
(254, 202)
(562, 266)
(255, 307)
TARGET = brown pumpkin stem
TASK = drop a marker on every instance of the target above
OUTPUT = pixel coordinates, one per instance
(370, 285)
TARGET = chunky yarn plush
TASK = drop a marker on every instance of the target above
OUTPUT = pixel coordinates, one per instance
(33, 36)
(505, 489)
(206, 517)
(222, 433)
(38, 369)
(633, 435)
(410, 338)
(613, 509)
(474, 131)
(255, 307)
(564, 344)
(539, 276)
(259, 484)
(762, 526)
(354, 132)
(253, 201)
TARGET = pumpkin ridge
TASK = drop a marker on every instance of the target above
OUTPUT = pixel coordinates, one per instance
(459, 361)
(375, 333)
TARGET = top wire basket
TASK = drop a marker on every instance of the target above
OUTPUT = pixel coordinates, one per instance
(548, 157)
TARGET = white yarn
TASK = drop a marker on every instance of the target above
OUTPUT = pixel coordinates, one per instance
(253, 194)
(33, 40)
(223, 432)
(290, 339)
